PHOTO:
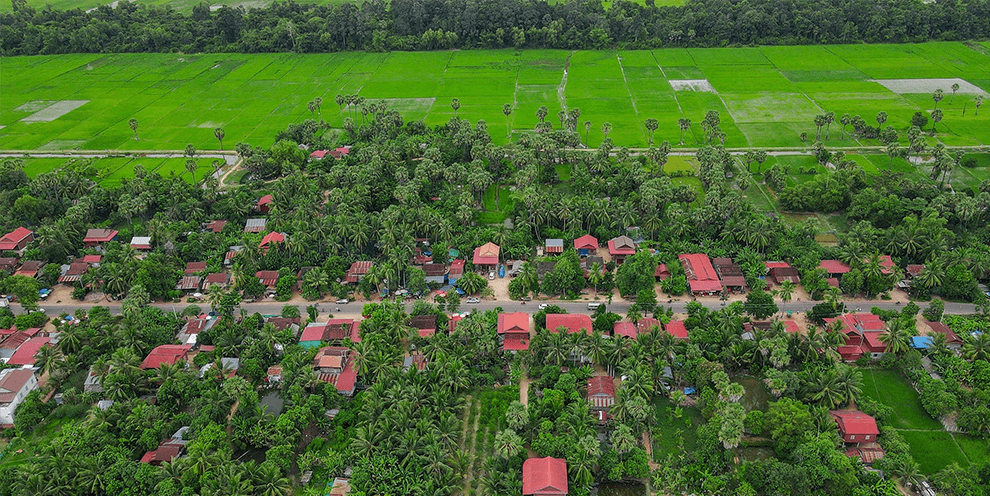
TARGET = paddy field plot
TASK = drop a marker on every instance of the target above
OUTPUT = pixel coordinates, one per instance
(766, 96)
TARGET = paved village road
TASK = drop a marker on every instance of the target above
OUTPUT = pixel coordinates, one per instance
(621, 307)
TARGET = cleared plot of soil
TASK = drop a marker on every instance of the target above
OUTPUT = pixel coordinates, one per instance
(905, 86)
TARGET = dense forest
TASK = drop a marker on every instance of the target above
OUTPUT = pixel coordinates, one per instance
(376, 25)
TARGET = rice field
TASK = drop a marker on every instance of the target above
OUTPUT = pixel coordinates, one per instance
(766, 96)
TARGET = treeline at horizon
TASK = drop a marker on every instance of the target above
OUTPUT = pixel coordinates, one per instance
(377, 25)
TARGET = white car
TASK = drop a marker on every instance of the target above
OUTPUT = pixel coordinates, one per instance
(342, 301)
(472, 300)
(491, 275)
(543, 306)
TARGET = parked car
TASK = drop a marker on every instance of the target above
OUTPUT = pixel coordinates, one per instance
(472, 300)
(343, 301)
(491, 275)
(543, 306)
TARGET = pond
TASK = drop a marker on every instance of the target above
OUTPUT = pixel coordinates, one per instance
(754, 453)
(756, 395)
(271, 402)
(621, 489)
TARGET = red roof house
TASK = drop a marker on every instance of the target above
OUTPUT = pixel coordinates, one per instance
(270, 239)
(662, 273)
(29, 268)
(335, 365)
(913, 270)
(625, 329)
(194, 267)
(486, 254)
(621, 247)
(268, 278)
(96, 237)
(166, 353)
(701, 275)
(456, 270)
(951, 338)
(834, 267)
(16, 240)
(586, 245)
(886, 264)
(862, 333)
(855, 426)
(264, 203)
(648, 324)
(544, 477)
(319, 154)
(358, 271)
(573, 322)
(514, 329)
(426, 325)
(677, 329)
(782, 271)
(164, 453)
(26, 352)
(214, 226)
(601, 392)
(331, 330)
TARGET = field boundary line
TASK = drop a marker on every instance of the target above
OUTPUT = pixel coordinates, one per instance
(625, 82)
(953, 436)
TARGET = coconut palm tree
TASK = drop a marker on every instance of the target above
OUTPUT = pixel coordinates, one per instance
(976, 346)
(896, 337)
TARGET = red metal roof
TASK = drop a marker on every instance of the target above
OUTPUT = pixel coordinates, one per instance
(456, 268)
(217, 278)
(700, 273)
(601, 385)
(486, 254)
(586, 242)
(950, 335)
(215, 225)
(99, 235)
(10, 240)
(357, 270)
(268, 278)
(573, 322)
(872, 343)
(92, 259)
(188, 283)
(166, 353)
(914, 269)
(662, 272)
(319, 154)
(12, 383)
(194, 267)
(834, 266)
(648, 324)
(627, 329)
(855, 422)
(513, 323)
(677, 329)
(777, 265)
(622, 245)
(164, 453)
(544, 476)
(516, 342)
(265, 200)
(272, 237)
(26, 352)
(792, 327)
(886, 264)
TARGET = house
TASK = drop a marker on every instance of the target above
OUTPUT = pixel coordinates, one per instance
(952, 341)
(166, 353)
(860, 431)
(571, 322)
(335, 365)
(10, 341)
(886, 265)
(92, 383)
(189, 284)
(648, 325)
(834, 268)
(621, 247)
(913, 270)
(337, 153)
(255, 225)
(141, 243)
(318, 154)
(218, 279)
(357, 271)
(168, 449)
(677, 329)
(513, 328)
(214, 226)
(701, 276)
(730, 274)
(425, 324)
(189, 333)
(24, 355)
(456, 271)
(8, 264)
(661, 273)
(416, 359)
(194, 267)
(435, 273)
(29, 268)
(791, 327)
(271, 239)
(486, 256)
(231, 253)
(340, 487)
(274, 374)
(16, 240)
(862, 334)
(855, 426)
(264, 204)
(586, 245)
(782, 271)
(553, 246)
(15, 384)
(228, 366)
(625, 329)
(97, 237)
(283, 323)
(601, 392)
(544, 477)
(268, 278)
(331, 331)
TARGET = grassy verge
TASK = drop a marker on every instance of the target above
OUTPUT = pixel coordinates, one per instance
(890, 388)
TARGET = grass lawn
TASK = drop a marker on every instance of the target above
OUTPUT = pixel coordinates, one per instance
(890, 388)
(976, 449)
(41, 436)
(767, 96)
(672, 434)
(933, 450)
(504, 199)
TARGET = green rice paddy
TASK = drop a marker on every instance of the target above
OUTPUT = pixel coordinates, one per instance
(766, 96)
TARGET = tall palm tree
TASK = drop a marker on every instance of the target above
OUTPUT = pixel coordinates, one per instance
(897, 337)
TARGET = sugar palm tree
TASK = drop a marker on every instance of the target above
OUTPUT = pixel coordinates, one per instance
(606, 128)
(507, 110)
(133, 123)
(219, 134)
